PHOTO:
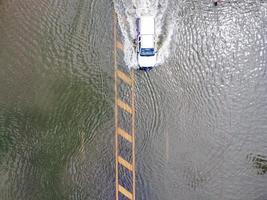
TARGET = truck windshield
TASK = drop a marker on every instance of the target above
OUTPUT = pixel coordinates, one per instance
(147, 52)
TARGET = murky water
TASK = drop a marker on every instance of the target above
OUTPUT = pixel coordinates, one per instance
(201, 115)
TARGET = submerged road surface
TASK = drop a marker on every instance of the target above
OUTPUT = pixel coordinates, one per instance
(201, 116)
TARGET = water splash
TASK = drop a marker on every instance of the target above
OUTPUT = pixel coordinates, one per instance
(128, 11)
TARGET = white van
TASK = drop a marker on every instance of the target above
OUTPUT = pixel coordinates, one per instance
(146, 45)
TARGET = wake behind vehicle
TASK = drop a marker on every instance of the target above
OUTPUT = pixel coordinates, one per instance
(146, 45)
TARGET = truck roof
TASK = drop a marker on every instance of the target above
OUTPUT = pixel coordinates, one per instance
(147, 41)
(147, 25)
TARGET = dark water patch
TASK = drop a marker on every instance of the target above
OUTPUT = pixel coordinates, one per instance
(6, 139)
(259, 162)
(48, 132)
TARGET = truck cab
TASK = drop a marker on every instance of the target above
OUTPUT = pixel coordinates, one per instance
(146, 45)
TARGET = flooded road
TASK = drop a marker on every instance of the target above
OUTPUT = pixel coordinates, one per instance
(201, 121)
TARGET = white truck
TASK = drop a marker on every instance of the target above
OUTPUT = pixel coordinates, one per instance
(146, 44)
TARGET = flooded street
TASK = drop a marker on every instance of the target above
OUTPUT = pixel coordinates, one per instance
(201, 115)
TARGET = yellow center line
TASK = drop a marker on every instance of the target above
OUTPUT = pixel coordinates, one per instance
(125, 163)
(124, 106)
(124, 77)
(125, 135)
(130, 108)
(125, 192)
(115, 107)
(133, 130)
(119, 45)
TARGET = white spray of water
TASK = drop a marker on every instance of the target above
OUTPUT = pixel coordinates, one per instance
(128, 11)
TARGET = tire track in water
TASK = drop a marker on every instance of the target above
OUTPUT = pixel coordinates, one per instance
(150, 126)
(152, 121)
